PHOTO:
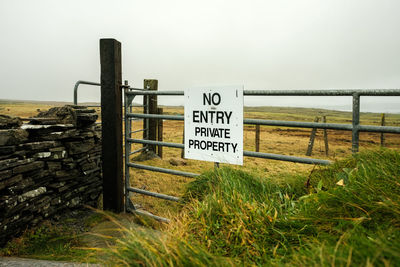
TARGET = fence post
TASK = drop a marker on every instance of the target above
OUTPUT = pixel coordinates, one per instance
(257, 138)
(145, 121)
(160, 131)
(355, 139)
(382, 134)
(111, 117)
(312, 138)
(325, 137)
(152, 109)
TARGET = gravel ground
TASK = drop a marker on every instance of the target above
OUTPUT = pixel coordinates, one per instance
(17, 262)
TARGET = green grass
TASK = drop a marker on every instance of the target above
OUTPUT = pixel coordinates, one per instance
(232, 217)
(346, 214)
(54, 241)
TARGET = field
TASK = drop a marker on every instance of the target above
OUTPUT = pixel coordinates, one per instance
(278, 140)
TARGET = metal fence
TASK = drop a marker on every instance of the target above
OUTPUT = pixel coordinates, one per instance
(76, 90)
(355, 128)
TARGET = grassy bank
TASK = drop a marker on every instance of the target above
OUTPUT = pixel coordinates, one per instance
(341, 215)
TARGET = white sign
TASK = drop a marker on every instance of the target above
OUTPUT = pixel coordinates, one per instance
(214, 124)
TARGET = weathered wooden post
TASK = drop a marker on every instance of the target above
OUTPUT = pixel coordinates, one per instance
(160, 130)
(111, 117)
(257, 138)
(382, 134)
(325, 137)
(152, 109)
(145, 121)
(355, 133)
(312, 138)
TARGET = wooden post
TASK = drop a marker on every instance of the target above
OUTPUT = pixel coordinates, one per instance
(382, 134)
(111, 116)
(325, 137)
(257, 138)
(312, 137)
(160, 132)
(152, 109)
(145, 121)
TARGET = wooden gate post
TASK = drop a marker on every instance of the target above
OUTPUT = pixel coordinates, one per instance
(111, 117)
(325, 137)
(257, 138)
(152, 109)
(312, 137)
(160, 132)
(382, 134)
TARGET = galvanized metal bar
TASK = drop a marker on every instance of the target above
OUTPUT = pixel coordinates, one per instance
(378, 129)
(127, 147)
(152, 194)
(328, 92)
(297, 124)
(245, 153)
(138, 131)
(138, 150)
(158, 143)
(133, 88)
(156, 116)
(146, 213)
(148, 92)
(355, 139)
(286, 158)
(158, 169)
(76, 89)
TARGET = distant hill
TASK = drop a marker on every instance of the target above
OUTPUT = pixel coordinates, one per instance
(269, 109)
(53, 103)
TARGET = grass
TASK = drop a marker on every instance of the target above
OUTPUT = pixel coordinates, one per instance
(266, 212)
(60, 241)
(233, 217)
(346, 214)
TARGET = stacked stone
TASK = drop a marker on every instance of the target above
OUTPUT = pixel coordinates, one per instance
(47, 167)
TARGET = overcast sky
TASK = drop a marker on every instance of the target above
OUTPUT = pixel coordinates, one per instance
(47, 45)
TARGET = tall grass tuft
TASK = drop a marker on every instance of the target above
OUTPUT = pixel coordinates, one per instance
(243, 216)
(340, 215)
(144, 247)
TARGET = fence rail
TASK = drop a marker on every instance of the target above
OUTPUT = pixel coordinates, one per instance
(76, 90)
(305, 92)
(355, 127)
(295, 124)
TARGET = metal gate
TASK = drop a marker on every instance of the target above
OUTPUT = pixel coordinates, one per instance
(130, 117)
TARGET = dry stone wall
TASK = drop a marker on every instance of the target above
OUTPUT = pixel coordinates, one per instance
(48, 166)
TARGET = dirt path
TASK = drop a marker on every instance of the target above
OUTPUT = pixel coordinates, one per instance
(17, 262)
